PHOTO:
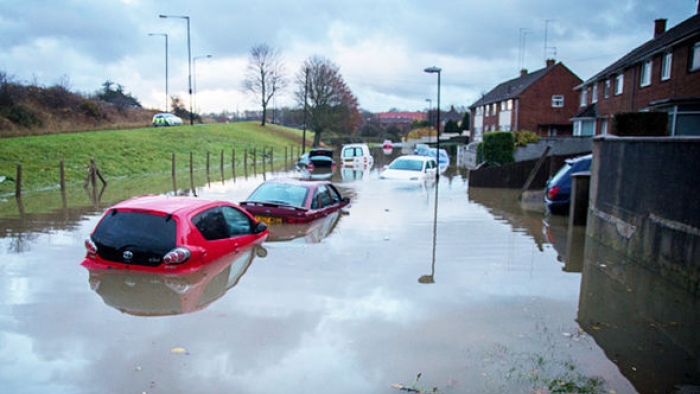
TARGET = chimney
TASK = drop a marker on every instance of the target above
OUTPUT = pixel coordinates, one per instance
(659, 27)
(550, 62)
(523, 72)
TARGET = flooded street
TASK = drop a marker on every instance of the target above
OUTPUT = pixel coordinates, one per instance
(355, 303)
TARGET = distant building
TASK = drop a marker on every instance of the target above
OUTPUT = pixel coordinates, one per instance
(662, 74)
(402, 120)
(542, 101)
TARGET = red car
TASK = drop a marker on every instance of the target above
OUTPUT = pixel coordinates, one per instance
(170, 234)
(293, 201)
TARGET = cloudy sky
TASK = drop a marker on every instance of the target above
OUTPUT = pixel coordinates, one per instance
(380, 46)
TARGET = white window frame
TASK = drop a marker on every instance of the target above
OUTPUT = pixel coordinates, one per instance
(645, 74)
(584, 96)
(594, 92)
(557, 101)
(666, 63)
(619, 84)
(695, 57)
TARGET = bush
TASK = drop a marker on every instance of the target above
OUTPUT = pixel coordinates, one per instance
(22, 116)
(498, 147)
(525, 137)
(91, 109)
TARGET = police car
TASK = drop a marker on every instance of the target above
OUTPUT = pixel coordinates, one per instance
(166, 119)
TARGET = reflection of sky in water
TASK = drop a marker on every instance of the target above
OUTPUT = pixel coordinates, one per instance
(345, 315)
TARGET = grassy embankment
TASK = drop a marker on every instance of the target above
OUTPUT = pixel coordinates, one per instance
(124, 153)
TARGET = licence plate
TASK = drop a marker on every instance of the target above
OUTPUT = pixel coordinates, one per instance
(268, 219)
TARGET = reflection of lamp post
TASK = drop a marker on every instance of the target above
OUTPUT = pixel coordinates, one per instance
(194, 74)
(431, 278)
(189, 58)
(166, 66)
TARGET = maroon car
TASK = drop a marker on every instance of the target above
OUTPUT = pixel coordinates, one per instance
(293, 201)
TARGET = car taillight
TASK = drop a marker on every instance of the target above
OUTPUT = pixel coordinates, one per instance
(177, 256)
(551, 193)
(90, 246)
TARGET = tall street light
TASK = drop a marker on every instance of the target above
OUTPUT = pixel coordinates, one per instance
(431, 277)
(166, 66)
(194, 75)
(189, 57)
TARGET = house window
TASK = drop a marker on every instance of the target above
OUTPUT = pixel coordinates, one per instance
(584, 98)
(594, 92)
(666, 66)
(557, 101)
(645, 77)
(606, 89)
(695, 57)
(619, 82)
(604, 127)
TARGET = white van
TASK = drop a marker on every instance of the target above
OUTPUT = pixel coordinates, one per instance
(356, 156)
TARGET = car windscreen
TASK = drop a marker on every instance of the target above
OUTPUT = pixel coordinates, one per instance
(410, 165)
(279, 193)
(136, 230)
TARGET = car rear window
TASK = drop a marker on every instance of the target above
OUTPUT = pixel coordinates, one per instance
(352, 152)
(146, 235)
(279, 193)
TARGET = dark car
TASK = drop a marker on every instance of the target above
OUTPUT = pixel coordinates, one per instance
(557, 196)
(317, 158)
(293, 201)
(170, 234)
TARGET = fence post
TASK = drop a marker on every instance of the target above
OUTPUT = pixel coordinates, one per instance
(233, 163)
(18, 181)
(221, 167)
(192, 175)
(173, 171)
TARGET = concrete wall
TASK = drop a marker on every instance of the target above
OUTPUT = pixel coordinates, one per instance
(645, 202)
(560, 146)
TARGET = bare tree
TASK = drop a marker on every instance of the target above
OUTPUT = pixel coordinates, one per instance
(264, 75)
(330, 104)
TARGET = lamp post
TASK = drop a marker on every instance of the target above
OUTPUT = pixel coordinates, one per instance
(189, 57)
(166, 66)
(431, 277)
(194, 75)
(437, 70)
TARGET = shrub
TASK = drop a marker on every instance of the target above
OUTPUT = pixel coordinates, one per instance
(525, 137)
(91, 109)
(498, 147)
(23, 116)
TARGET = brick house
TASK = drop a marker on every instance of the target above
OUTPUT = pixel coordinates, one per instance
(401, 120)
(543, 101)
(662, 74)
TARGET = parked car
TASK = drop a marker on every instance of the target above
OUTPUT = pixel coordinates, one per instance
(421, 149)
(557, 196)
(442, 158)
(293, 201)
(170, 233)
(316, 158)
(356, 156)
(410, 168)
(166, 119)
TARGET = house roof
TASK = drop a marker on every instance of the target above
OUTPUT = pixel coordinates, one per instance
(401, 115)
(682, 31)
(590, 111)
(513, 88)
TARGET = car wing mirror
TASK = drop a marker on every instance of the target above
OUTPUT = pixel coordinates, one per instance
(259, 228)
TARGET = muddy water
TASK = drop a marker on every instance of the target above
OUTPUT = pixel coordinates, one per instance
(355, 304)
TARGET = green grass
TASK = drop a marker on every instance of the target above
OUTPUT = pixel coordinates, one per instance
(123, 153)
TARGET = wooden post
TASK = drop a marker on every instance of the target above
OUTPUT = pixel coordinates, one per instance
(272, 155)
(222, 165)
(245, 162)
(62, 174)
(18, 181)
(208, 154)
(233, 163)
(173, 172)
(194, 193)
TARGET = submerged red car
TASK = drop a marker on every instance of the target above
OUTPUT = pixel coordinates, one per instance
(165, 233)
(293, 201)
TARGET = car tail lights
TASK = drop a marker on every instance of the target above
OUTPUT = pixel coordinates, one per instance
(552, 192)
(177, 256)
(90, 246)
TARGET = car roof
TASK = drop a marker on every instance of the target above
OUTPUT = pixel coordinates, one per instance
(415, 157)
(579, 158)
(297, 181)
(166, 204)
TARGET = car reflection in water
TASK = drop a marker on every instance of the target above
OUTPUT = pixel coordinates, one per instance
(142, 293)
(311, 233)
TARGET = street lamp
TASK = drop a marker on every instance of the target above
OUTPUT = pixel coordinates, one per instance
(194, 74)
(189, 57)
(437, 70)
(166, 66)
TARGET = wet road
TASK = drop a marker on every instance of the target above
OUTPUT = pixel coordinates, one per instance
(355, 304)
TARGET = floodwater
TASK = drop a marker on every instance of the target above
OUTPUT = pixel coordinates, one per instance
(361, 302)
